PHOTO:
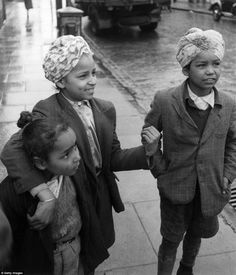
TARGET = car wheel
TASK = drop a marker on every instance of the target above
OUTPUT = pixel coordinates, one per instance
(216, 12)
(148, 27)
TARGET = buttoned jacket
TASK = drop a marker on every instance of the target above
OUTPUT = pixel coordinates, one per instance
(188, 157)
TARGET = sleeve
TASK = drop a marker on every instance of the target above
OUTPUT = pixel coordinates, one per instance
(230, 148)
(19, 167)
(154, 118)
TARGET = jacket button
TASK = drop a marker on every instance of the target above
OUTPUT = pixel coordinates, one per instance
(223, 192)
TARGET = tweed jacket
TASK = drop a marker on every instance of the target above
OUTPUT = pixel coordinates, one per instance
(188, 157)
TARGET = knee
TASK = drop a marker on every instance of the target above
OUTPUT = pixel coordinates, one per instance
(167, 248)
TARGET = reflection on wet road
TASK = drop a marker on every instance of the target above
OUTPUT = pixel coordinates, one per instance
(149, 58)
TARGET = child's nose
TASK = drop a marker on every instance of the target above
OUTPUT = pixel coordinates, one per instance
(210, 69)
(93, 80)
(76, 157)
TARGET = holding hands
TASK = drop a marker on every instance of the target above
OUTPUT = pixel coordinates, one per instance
(150, 139)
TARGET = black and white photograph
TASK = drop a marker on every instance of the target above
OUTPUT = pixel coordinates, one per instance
(118, 137)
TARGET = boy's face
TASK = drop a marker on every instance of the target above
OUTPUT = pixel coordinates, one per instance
(79, 84)
(65, 157)
(203, 72)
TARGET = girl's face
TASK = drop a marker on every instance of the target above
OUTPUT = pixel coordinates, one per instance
(203, 73)
(65, 157)
(79, 84)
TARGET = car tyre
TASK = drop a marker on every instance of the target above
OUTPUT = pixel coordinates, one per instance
(216, 12)
(148, 27)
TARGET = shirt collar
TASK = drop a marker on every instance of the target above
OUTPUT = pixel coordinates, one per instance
(78, 103)
(210, 98)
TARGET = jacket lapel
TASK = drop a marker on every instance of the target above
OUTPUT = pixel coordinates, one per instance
(179, 104)
(81, 136)
(104, 133)
(214, 117)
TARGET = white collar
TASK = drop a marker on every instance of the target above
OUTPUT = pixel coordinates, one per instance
(54, 184)
(203, 100)
(78, 103)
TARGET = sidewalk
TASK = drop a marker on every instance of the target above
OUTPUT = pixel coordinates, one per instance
(137, 229)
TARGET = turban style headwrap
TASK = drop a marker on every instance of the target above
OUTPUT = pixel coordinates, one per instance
(196, 41)
(63, 55)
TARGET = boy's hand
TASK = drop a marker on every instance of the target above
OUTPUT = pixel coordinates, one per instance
(226, 183)
(44, 211)
(43, 215)
(150, 139)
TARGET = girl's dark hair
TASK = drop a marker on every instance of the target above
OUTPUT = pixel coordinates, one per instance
(40, 134)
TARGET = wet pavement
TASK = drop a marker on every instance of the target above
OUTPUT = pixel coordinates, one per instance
(23, 84)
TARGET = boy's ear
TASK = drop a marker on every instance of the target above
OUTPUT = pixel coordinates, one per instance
(40, 163)
(61, 84)
(185, 71)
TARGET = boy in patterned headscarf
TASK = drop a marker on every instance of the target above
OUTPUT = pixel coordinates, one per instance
(198, 160)
(69, 64)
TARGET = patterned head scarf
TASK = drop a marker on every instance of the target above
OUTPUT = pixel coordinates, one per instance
(196, 41)
(63, 55)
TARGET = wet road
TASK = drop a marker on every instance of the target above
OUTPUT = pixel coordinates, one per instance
(149, 58)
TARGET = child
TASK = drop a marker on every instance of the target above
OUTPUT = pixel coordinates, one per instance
(51, 145)
(198, 160)
(5, 239)
(69, 64)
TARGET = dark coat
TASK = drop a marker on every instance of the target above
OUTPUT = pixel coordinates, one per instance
(32, 250)
(187, 156)
(104, 190)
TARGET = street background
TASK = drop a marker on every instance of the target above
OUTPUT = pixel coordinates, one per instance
(132, 66)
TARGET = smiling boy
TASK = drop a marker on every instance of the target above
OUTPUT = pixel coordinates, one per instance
(198, 159)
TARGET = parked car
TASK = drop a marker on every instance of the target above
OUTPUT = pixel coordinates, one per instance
(222, 7)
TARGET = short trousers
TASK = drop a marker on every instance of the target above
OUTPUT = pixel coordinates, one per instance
(67, 258)
(177, 219)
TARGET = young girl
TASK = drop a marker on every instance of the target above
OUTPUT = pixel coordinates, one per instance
(51, 145)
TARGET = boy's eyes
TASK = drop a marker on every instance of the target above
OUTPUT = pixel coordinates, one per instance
(201, 65)
(86, 74)
(216, 63)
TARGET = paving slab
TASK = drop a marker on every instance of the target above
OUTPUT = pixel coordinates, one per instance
(12, 87)
(132, 247)
(223, 242)
(216, 265)
(128, 141)
(150, 269)
(10, 113)
(129, 125)
(25, 98)
(137, 186)
(38, 86)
